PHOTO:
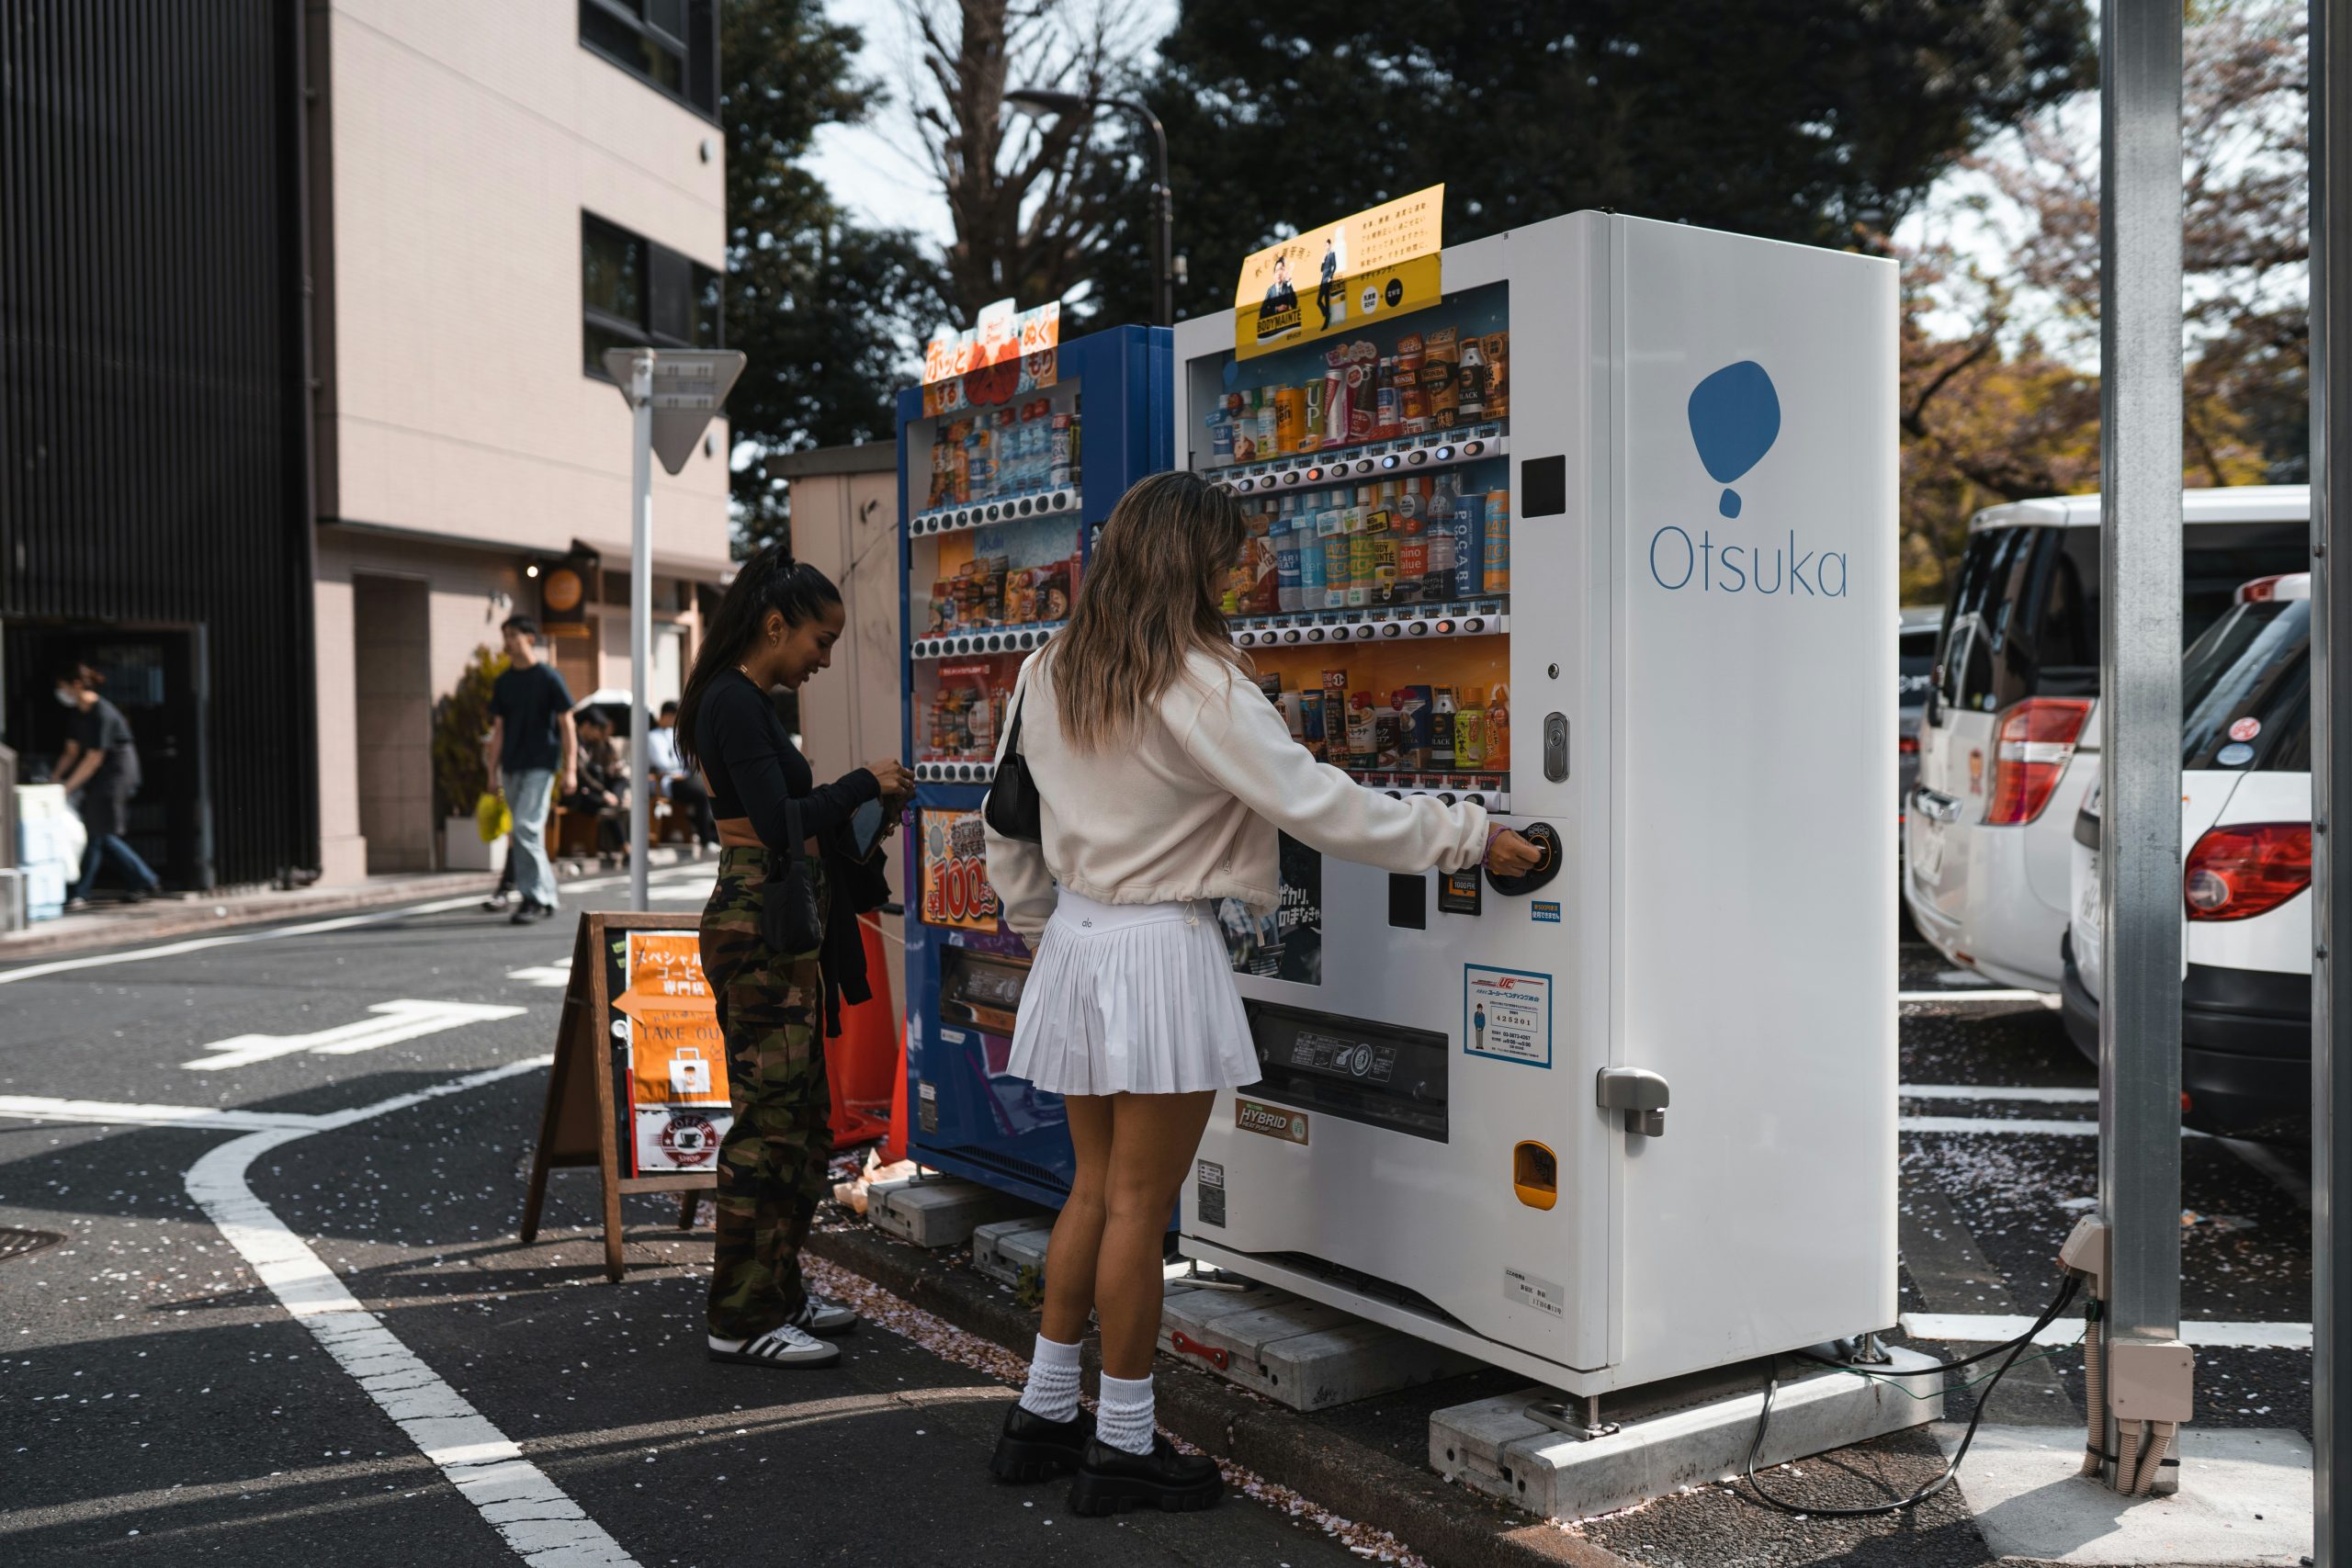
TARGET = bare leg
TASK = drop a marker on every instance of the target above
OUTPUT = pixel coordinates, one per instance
(1077, 1230)
(1153, 1139)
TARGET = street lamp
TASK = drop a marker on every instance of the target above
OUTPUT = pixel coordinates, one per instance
(1041, 102)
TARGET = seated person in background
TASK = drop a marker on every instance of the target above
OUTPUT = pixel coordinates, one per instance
(603, 782)
(666, 770)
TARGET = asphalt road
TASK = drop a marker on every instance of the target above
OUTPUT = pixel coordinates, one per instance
(160, 1403)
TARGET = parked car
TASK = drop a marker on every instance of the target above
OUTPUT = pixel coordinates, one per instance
(1915, 664)
(2246, 834)
(2008, 742)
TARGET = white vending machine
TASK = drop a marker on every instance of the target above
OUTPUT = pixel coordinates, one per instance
(1607, 538)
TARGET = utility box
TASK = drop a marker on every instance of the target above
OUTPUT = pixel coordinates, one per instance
(1615, 554)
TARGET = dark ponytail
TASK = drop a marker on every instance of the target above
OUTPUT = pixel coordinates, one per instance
(771, 579)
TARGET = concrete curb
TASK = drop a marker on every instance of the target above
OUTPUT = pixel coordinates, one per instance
(1450, 1527)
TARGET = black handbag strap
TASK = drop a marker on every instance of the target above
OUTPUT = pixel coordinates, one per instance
(1012, 729)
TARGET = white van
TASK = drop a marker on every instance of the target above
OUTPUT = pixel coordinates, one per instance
(2009, 741)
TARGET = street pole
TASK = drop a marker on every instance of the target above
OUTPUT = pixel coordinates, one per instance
(2139, 649)
(1164, 209)
(2330, 438)
(640, 620)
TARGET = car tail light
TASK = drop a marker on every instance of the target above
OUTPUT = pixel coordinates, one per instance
(2030, 749)
(2246, 869)
(1907, 745)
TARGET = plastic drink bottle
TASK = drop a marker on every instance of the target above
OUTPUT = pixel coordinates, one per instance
(1288, 570)
(1308, 547)
(1469, 519)
(1498, 550)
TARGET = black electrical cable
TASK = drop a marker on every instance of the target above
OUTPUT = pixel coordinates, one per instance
(2014, 1347)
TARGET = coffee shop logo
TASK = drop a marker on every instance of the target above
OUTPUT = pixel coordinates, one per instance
(1734, 417)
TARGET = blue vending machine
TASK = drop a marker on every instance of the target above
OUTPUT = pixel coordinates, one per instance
(1005, 477)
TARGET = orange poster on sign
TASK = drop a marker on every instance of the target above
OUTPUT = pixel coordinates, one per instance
(676, 1055)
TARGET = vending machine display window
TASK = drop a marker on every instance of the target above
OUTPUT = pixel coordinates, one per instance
(1373, 591)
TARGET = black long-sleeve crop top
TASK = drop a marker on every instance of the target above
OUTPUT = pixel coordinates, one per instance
(752, 767)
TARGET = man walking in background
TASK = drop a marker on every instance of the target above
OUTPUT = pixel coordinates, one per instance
(102, 761)
(532, 741)
(671, 779)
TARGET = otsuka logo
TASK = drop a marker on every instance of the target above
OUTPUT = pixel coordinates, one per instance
(1735, 419)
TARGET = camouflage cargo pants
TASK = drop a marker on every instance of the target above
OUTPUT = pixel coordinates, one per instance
(771, 1162)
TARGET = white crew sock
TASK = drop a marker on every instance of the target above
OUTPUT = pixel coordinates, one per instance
(1122, 1418)
(1052, 1392)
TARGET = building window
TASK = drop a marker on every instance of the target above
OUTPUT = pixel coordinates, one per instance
(634, 293)
(673, 44)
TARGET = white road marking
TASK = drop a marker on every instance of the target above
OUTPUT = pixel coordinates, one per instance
(393, 1023)
(2085, 1128)
(535, 1515)
(1992, 1328)
(547, 976)
(1998, 1091)
(275, 933)
(41, 1108)
(2047, 999)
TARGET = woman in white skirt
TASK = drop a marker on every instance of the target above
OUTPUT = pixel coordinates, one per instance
(1163, 775)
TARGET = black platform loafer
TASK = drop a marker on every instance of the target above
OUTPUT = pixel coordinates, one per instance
(1033, 1449)
(1111, 1479)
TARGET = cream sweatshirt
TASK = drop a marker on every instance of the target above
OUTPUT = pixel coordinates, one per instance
(1188, 806)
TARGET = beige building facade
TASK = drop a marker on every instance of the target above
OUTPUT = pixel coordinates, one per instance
(498, 192)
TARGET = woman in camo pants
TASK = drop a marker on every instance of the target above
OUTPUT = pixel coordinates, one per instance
(775, 627)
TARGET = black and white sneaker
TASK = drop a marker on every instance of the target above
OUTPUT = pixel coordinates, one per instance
(822, 1314)
(784, 1346)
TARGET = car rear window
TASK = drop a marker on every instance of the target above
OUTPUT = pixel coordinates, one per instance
(2024, 618)
(2245, 691)
(1915, 664)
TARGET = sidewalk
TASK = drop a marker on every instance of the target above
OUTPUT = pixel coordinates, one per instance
(187, 914)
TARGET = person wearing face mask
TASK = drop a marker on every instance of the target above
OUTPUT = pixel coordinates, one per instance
(777, 626)
(101, 761)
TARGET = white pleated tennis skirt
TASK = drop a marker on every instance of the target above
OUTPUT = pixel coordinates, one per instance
(1132, 998)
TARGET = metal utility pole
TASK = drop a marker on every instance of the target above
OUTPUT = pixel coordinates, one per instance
(672, 393)
(640, 620)
(2139, 649)
(2331, 436)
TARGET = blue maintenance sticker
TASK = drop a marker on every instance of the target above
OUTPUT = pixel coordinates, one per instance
(1544, 910)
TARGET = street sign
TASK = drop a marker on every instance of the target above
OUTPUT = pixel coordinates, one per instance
(690, 386)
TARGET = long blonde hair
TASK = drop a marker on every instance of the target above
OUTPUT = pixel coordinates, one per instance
(1149, 599)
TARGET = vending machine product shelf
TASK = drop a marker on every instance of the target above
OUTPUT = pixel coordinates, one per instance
(1614, 552)
(1003, 500)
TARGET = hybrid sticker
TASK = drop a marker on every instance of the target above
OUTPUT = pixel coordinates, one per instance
(1270, 1120)
(1547, 1296)
(1507, 1014)
(1545, 909)
(1208, 1193)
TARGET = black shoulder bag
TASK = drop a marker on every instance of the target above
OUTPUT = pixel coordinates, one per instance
(790, 922)
(1011, 804)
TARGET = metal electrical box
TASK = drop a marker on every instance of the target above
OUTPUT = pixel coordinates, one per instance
(1614, 552)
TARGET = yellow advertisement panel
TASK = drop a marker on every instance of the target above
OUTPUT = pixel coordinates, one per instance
(1382, 262)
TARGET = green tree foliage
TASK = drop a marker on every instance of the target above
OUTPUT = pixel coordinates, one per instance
(1812, 120)
(460, 726)
(829, 314)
